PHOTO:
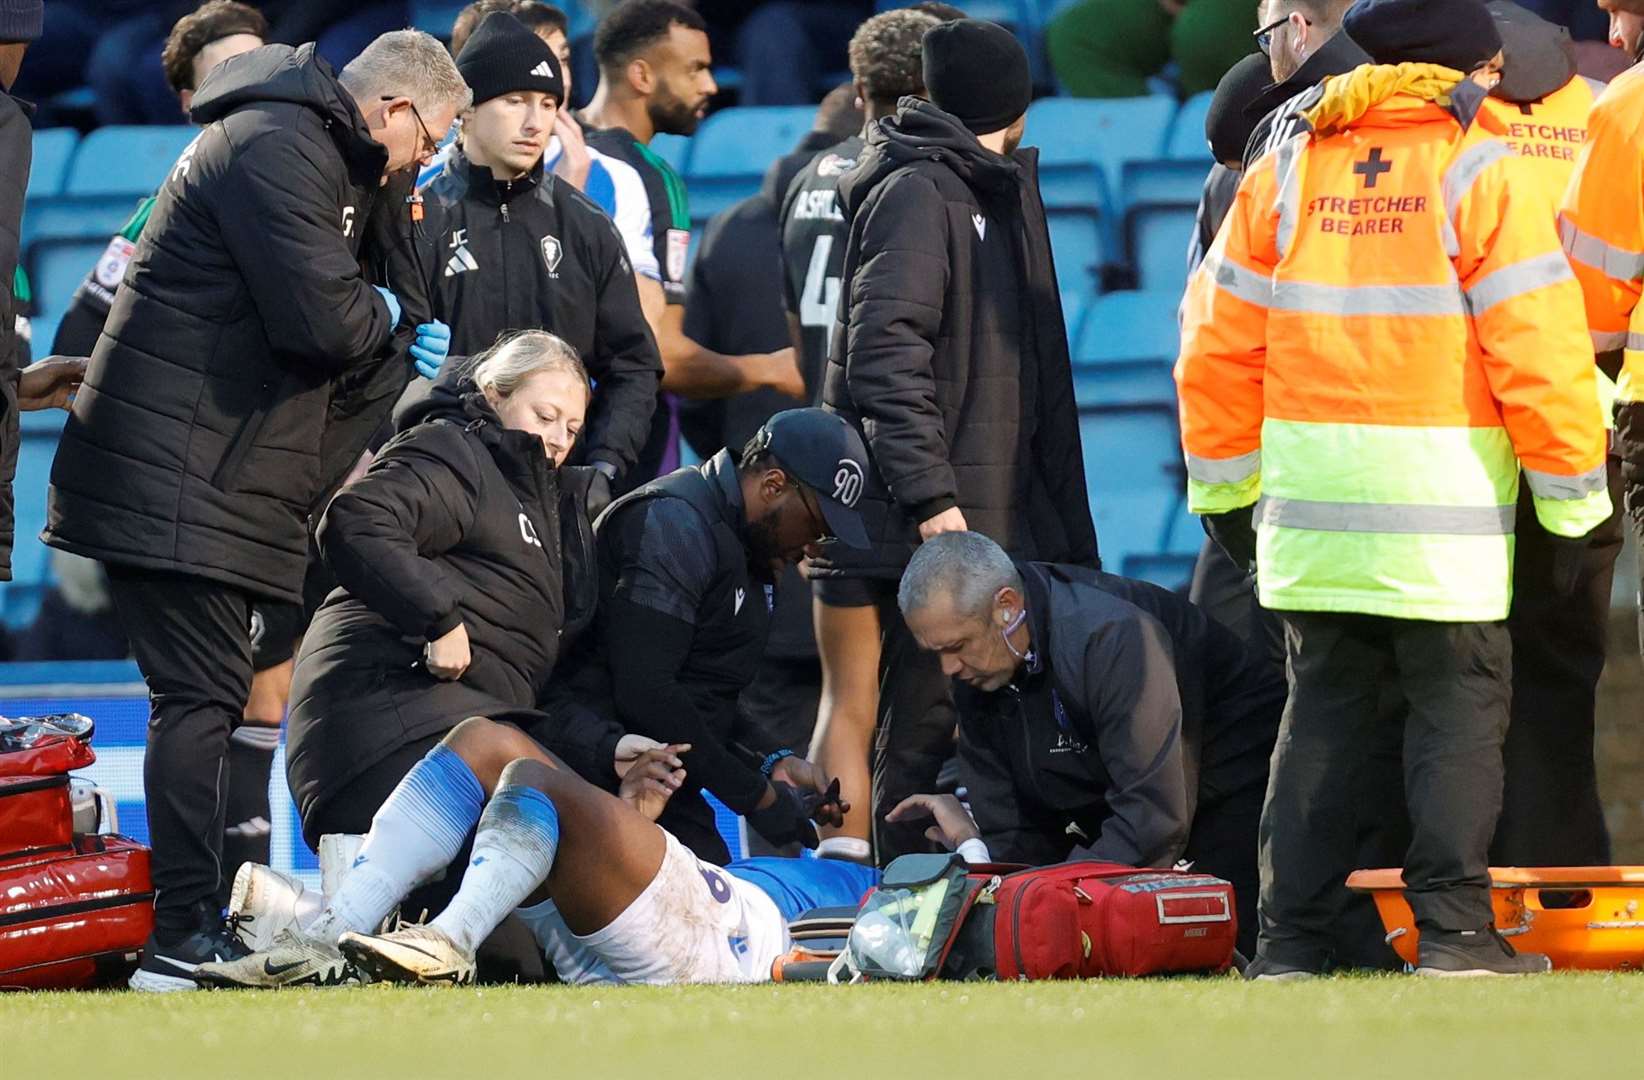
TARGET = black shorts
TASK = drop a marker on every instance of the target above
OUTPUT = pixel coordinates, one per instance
(843, 592)
(275, 628)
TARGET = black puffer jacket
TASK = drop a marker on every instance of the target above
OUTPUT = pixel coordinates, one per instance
(195, 445)
(16, 155)
(458, 520)
(952, 356)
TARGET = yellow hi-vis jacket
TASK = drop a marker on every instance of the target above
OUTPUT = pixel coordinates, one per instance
(1382, 333)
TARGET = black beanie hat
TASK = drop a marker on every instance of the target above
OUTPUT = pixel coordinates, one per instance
(1226, 127)
(1540, 57)
(977, 71)
(20, 20)
(1458, 34)
(502, 56)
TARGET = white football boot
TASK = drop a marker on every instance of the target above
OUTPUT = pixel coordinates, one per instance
(411, 954)
(263, 901)
(294, 959)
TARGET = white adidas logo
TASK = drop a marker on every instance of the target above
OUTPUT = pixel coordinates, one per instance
(544, 70)
(460, 262)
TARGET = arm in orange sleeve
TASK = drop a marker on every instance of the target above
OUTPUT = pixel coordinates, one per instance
(1527, 314)
(1601, 224)
(1224, 351)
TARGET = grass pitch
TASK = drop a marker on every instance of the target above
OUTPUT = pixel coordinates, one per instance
(1383, 1027)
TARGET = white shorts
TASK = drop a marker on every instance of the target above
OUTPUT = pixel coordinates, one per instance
(694, 923)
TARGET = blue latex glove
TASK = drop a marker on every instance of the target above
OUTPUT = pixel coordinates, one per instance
(430, 349)
(393, 303)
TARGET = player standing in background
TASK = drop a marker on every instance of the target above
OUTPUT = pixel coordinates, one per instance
(655, 78)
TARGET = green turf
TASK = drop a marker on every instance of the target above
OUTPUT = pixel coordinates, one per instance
(1385, 1027)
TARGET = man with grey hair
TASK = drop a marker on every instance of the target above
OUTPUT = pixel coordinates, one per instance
(197, 447)
(1099, 717)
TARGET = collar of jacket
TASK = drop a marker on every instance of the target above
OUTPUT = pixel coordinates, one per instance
(720, 472)
(1337, 55)
(484, 185)
(918, 132)
(1036, 598)
(1391, 88)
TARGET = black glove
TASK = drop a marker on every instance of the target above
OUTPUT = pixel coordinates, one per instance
(1569, 558)
(1235, 533)
(787, 819)
(599, 493)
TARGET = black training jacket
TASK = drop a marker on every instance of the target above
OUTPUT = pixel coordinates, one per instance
(196, 444)
(535, 253)
(1140, 712)
(458, 520)
(16, 154)
(951, 357)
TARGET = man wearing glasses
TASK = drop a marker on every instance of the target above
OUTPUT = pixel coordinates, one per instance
(687, 570)
(1304, 46)
(197, 446)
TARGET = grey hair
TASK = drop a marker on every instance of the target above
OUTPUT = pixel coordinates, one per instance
(406, 63)
(517, 356)
(966, 567)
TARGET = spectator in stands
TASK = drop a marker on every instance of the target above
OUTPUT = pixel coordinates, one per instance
(48, 383)
(1110, 48)
(1551, 811)
(506, 246)
(687, 565)
(1304, 43)
(787, 47)
(196, 449)
(735, 306)
(1099, 717)
(655, 78)
(886, 66)
(951, 358)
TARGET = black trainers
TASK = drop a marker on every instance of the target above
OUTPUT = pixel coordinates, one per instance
(170, 966)
(1264, 970)
(1473, 953)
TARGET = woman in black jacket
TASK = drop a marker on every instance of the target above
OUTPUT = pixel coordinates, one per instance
(463, 562)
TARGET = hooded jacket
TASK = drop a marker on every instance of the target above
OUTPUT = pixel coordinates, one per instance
(950, 356)
(458, 521)
(1135, 713)
(500, 255)
(195, 445)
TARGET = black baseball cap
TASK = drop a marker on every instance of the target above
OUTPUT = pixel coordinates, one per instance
(823, 452)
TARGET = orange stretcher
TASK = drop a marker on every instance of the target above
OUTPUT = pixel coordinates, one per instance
(1583, 917)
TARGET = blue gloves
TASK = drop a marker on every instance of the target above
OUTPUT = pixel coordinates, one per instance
(393, 303)
(433, 344)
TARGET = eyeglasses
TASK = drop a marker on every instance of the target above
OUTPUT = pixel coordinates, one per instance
(1264, 36)
(430, 145)
(819, 523)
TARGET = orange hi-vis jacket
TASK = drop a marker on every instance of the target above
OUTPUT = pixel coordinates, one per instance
(1602, 226)
(1550, 134)
(1384, 331)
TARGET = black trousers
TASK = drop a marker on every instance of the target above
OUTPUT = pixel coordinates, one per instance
(1223, 842)
(1552, 815)
(913, 735)
(1455, 680)
(192, 640)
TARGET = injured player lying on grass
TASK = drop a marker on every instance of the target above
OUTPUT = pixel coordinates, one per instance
(609, 895)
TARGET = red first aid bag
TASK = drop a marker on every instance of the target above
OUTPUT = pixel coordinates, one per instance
(75, 920)
(1084, 919)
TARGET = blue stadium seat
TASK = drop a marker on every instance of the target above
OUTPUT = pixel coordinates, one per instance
(1125, 327)
(732, 149)
(1187, 141)
(126, 161)
(674, 149)
(1075, 302)
(1171, 569)
(1133, 470)
(55, 270)
(1076, 243)
(434, 16)
(1159, 237)
(1083, 145)
(1162, 182)
(1139, 382)
(53, 147)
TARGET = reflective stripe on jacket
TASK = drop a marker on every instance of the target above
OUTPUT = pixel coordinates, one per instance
(1383, 332)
